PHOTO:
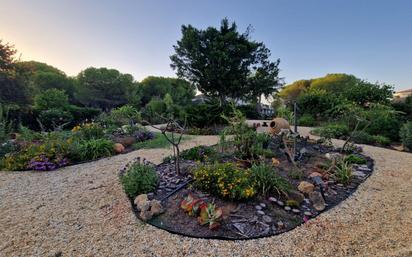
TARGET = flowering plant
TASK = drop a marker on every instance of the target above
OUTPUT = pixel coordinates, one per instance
(42, 163)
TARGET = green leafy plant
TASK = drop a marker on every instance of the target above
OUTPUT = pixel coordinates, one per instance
(225, 180)
(198, 153)
(267, 180)
(89, 131)
(210, 215)
(354, 159)
(343, 172)
(333, 130)
(406, 135)
(307, 120)
(91, 149)
(381, 140)
(139, 179)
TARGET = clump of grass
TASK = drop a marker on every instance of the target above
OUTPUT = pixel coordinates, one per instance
(343, 172)
(159, 141)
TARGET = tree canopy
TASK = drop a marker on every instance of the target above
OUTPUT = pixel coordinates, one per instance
(225, 63)
(103, 88)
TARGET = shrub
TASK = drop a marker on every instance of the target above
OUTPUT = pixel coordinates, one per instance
(82, 114)
(225, 180)
(381, 140)
(362, 137)
(7, 147)
(90, 150)
(285, 113)
(206, 115)
(51, 99)
(354, 159)
(19, 160)
(53, 118)
(343, 172)
(89, 131)
(333, 130)
(198, 153)
(307, 120)
(139, 179)
(267, 180)
(406, 135)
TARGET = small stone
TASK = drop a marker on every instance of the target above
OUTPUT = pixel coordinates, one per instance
(333, 156)
(307, 213)
(258, 207)
(267, 219)
(260, 212)
(280, 225)
(359, 173)
(156, 207)
(296, 196)
(305, 187)
(287, 208)
(315, 174)
(296, 211)
(118, 148)
(145, 215)
(262, 205)
(150, 195)
(317, 200)
(306, 200)
(272, 199)
(280, 203)
(140, 200)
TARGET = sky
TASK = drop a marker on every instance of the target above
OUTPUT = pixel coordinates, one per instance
(370, 39)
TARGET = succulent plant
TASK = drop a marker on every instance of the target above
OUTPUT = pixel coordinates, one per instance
(191, 205)
(210, 215)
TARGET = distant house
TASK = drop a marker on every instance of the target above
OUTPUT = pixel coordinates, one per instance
(401, 95)
(264, 109)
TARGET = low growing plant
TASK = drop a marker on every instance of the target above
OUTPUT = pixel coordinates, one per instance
(355, 159)
(139, 179)
(198, 153)
(343, 172)
(210, 215)
(267, 180)
(91, 150)
(225, 180)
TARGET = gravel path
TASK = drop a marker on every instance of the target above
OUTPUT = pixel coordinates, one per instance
(82, 211)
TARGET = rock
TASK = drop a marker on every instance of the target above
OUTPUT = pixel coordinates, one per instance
(267, 219)
(333, 156)
(150, 195)
(306, 200)
(145, 215)
(262, 205)
(287, 208)
(118, 148)
(126, 141)
(305, 187)
(280, 203)
(304, 151)
(258, 207)
(272, 199)
(140, 200)
(315, 174)
(296, 211)
(240, 227)
(317, 200)
(359, 174)
(296, 196)
(156, 207)
(307, 213)
(260, 212)
(280, 225)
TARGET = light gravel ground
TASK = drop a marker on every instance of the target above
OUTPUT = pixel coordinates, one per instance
(82, 211)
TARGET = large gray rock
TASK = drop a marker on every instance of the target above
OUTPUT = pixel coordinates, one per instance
(317, 200)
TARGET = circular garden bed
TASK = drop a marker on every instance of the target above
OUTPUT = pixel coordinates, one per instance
(218, 195)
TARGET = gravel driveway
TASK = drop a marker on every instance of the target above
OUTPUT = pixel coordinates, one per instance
(82, 211)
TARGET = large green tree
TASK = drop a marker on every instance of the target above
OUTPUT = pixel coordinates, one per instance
(13, 91)
(104, 88)
(181, 91)
(225, 63)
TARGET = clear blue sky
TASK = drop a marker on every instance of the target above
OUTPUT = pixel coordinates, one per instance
(370, 39)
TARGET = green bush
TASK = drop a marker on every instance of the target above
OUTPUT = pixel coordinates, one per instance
(307, 120)
(381, 140)
(355, 159)
(267, 180)
(91, 149)
(362, 137)
(81, 114)
(333, 130)
(206, 115)
(52, 118)
(198, 153)
(139, 179)
(225, 180)
(343, 172)
(89, 131)
(406, 135)
(51, 99)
